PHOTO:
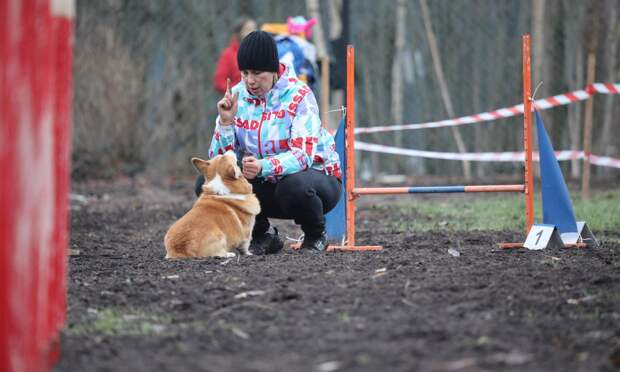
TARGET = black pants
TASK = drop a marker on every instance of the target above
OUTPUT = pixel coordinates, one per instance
(304, 197)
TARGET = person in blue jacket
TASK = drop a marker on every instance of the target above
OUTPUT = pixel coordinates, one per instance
(271, 120)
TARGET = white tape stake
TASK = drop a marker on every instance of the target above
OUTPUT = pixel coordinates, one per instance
(63, 8)
(543, 236)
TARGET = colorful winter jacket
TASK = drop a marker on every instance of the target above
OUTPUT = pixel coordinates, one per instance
(282, 128)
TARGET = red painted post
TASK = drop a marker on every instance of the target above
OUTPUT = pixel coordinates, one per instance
(350, 145)
(35, 120)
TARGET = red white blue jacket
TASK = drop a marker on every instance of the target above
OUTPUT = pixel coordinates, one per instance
(283, 129)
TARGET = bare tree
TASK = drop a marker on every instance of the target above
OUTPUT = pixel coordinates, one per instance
(314, 11)
(574, 75)
(443, 86)
(335, 31)
(397, 86)
(538, 41)
(606, 140)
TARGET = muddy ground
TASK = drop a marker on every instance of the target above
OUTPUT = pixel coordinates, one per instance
(411, 307)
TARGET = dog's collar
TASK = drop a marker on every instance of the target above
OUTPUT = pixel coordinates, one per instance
(230, 196)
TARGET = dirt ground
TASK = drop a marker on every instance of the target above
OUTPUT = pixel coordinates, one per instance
(411, 307)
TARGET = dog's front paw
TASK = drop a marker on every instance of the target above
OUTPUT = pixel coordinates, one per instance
(230, 254)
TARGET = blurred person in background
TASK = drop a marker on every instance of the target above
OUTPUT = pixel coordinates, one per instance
(227, 63)
(271, 120)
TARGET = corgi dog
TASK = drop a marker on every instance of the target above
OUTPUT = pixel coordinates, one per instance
(222, 219)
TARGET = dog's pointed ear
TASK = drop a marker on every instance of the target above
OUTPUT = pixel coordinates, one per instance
(233, 172)
(201, 165)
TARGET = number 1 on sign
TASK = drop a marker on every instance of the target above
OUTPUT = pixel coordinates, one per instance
(538, 235)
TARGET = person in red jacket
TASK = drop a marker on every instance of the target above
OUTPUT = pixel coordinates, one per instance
(227, 63)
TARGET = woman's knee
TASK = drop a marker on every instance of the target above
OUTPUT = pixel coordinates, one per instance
(333, 194)
(304, 189)
(298, 194)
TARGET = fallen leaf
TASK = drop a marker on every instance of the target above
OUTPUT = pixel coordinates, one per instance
(512, 358)
(239, 333)
(460, 364)
(249, 293)
(577, 301)
(329, 366)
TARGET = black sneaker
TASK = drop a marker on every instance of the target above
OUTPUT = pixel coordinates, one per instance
(267, 243)
(315, 243)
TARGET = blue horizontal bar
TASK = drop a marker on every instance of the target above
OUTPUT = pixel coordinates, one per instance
(435, 189)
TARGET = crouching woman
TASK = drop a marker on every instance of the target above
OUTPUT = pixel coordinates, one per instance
(271, 120)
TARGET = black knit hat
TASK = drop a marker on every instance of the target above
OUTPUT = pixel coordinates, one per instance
(258, 52)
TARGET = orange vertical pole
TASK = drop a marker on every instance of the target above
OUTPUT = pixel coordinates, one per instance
(350, 151)
(527, 134)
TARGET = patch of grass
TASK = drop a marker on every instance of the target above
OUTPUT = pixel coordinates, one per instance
(117, 322)
(505, 212)
(602, 211)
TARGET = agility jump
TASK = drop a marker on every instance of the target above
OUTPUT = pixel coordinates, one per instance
(352, 193)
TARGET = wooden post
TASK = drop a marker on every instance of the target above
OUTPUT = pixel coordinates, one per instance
(587, 131)
(443, 85)
(527, 134)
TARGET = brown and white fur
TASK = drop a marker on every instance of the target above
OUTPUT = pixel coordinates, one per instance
(222, 218)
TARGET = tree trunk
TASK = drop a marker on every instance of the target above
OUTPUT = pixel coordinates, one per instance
(611, 42)
(574, 76)
(538, 43)
(335, 31)
(397, 79)
(371, 111)
(335, 23)
(445, 94)
(314, 11)
(318, 38)
(574, 114)
(539, 62)
(587, 132)
(479, 130)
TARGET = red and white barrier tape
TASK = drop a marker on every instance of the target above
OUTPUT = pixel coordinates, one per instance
(603, 161)
(541, 104)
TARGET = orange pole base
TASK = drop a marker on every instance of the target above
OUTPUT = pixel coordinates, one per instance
(354, 248)
(345, 248)
(510, 245)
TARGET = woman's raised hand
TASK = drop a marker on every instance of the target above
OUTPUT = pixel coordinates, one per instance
(227, 106)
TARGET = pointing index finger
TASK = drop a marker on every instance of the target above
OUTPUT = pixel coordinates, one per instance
(228, 86)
